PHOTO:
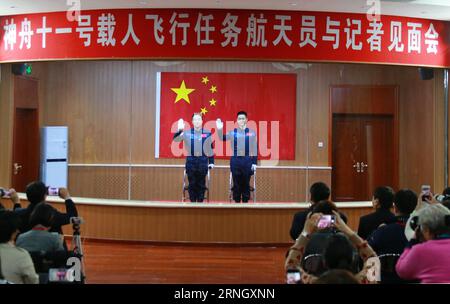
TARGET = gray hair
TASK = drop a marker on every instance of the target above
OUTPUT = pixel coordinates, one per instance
(433, 217)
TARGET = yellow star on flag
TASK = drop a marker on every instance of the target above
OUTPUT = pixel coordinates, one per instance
(212, 102)
(213, 89)
(203, 111)
(182, 92)
(205, 80)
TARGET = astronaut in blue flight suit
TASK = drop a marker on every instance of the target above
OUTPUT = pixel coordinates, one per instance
(245, 155)
(199, 147)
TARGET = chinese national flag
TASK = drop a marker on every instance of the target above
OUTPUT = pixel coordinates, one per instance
(268, 99)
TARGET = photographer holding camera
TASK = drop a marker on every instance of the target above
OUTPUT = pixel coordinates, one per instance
(36, 193)
(318, 191)
(39, 239)
(338, 253)
(427, 258)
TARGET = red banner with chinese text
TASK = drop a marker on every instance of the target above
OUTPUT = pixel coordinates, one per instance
(225, 35)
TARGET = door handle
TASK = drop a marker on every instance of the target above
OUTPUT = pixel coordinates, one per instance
(357, 166)
(363, 165)
(17, 168)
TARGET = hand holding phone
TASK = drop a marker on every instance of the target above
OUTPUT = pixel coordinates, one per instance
(426, 193)
(53, 191)
(293, 276)
(4, 193)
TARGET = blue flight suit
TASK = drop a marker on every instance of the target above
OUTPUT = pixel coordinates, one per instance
(245, 154)
(199, 146)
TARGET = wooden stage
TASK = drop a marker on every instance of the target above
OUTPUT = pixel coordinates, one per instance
(171, 222)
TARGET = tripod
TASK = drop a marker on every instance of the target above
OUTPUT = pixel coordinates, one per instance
(77, 247)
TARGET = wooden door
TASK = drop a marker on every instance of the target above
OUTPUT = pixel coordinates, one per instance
(378, 154)
(347, 145)
(363, 155)
(26, 143)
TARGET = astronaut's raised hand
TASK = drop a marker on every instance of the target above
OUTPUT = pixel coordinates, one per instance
(219, 124)
(180, 124)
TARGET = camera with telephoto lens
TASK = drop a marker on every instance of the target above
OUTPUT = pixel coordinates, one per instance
(76, 220)
(442, 197)
(4, 193)
(414, 222)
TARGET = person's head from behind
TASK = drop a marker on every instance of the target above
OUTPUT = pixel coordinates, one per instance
(9, 226)
(405, 201)
(42, 215)
(324, 207)
(383, 198)
(433, 221)
(319, 192)
(36, 192)
(197, 120)
(337, 276)
(339, 253)
(241, 119)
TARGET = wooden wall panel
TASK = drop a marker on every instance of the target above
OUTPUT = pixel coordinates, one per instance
(439, 123)
(360, 100)
(25, 92)
(448, 126)
(107, 183)
(94, 100)
(6, 124)
(417, 123)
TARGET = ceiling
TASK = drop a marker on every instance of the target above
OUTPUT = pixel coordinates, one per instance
(429, 9)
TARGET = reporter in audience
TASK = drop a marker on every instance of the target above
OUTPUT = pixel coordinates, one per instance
(390, 239)
(16, 264)
(427, 256)
(37, 193)
(39, 239)
(318, 192)
(382, 201)
(296, 252)
(319, 240)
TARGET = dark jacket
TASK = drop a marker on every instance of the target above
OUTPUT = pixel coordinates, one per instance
(299, 220)
(243, 143)
(59, 220)
(390, 239)
(197, 143)
(370, 222)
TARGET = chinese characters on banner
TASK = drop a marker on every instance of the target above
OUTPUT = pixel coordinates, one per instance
(225, 34)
